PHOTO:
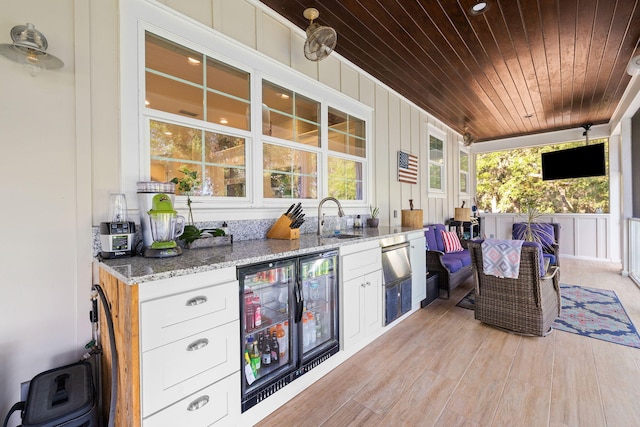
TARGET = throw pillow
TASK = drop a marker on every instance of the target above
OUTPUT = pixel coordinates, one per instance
(451, 242)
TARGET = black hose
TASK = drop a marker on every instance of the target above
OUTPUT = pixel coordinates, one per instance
(114, 356)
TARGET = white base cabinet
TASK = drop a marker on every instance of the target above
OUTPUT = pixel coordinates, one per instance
(176, 370)
(178, 346)
(179, 343)
(418, 260)
(361, 293)
(217, 404)
(189, 341)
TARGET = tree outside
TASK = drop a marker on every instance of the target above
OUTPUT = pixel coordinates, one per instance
(511, 182)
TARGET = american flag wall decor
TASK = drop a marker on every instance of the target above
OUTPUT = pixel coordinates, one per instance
(407, 167)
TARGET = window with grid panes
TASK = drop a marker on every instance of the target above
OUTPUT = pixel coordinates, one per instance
(464, 172)
(347, 150)
(290, 160)
(194, 103)
(436, 161)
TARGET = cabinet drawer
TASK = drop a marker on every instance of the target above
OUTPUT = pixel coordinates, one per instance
(171, 318)
(361, 263)
(218, 404)
(176, 370)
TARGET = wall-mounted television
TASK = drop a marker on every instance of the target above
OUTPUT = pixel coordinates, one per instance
(579, 162)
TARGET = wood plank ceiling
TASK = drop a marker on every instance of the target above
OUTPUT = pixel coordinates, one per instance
(522, 67)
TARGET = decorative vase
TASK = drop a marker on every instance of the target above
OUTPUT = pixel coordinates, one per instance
(372, 222)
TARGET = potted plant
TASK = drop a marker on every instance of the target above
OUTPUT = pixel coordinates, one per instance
(192, 235)
(532, 231)
(373, 221)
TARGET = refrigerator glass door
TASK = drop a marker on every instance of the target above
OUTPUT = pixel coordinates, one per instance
(267, 322)
(319, 277)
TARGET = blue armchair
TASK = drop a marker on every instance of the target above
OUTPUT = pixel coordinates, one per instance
(453, 268)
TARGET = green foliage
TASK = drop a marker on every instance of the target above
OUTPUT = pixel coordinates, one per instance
(374, 211)
(510, 181)
(189, 181)
(191, 233)
(186, 185)
(530, 232)
(344, 179)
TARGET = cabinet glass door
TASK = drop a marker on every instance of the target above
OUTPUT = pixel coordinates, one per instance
(319, 277)
(266, 321)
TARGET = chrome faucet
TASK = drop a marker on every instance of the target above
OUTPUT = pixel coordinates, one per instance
(321, 215)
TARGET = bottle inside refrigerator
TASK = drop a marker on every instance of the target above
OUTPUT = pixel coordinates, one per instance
(289, 321)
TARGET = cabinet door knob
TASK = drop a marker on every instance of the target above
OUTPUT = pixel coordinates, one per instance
(363, 284)
(368, 283)
(198, 403)
(196, 301)
(198, 344)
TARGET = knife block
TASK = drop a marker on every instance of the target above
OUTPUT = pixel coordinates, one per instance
(280, 230)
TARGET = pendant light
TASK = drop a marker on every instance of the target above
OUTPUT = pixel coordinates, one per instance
(29, 48)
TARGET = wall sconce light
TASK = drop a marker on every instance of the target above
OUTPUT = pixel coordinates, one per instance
(29, 48)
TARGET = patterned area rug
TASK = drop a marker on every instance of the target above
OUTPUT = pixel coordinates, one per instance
(595, 313)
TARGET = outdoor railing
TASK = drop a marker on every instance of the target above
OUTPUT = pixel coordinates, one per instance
(634, 249)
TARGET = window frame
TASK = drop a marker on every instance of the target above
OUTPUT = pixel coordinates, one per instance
(464, 150)
(162, 116)
(441, 135)
(135, 164)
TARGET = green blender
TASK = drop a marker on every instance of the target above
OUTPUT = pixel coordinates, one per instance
(166, 226)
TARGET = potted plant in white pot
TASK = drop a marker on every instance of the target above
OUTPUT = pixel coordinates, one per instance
(372, 221)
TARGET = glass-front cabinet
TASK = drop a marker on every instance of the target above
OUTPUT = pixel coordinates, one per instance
(289, 321)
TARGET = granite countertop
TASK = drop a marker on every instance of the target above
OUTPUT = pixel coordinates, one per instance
(139, 269)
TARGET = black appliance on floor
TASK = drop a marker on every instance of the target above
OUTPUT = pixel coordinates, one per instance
(62, 396)
(68, 396)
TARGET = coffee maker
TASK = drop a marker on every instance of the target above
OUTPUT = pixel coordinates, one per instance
(116, 236)
(166, 225)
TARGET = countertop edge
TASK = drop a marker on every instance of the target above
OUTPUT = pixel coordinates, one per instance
(121, 269)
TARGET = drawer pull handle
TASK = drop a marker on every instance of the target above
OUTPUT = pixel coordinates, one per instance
(198, 403)
(196, 301)
(197, 345)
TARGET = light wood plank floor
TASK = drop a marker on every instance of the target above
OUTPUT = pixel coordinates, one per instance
(441, 367)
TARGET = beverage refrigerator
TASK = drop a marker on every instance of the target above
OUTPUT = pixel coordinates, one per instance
(289, 321)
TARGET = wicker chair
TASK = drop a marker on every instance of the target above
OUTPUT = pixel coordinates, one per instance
(527, 305)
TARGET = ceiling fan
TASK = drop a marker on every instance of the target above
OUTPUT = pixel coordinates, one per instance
(467, 137)
(320, 40)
